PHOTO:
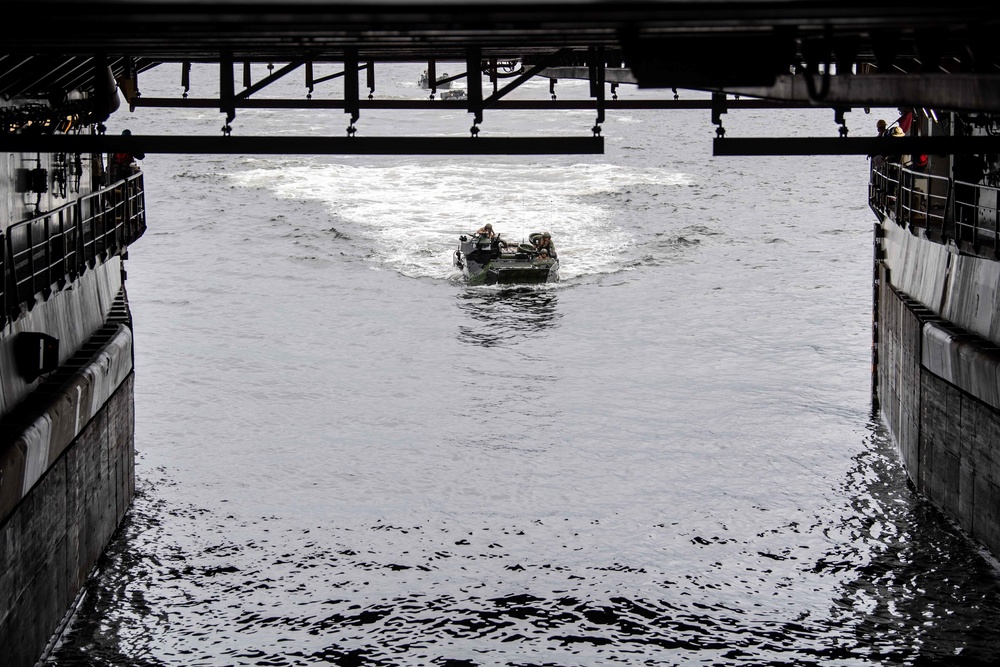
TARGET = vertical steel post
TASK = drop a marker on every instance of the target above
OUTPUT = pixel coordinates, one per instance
(227, 92)
(599, 76)
(370, 79)
(474, 81)
(102, 90)
(351, 105)
(186, 76)
(718, 108)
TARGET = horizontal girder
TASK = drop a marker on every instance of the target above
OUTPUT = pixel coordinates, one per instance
(238, 145)
(934, 55)
(459, 105)
(942, 145)
(185, 28)
(956, 92)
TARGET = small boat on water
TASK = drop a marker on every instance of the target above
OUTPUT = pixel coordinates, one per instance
(486, 260)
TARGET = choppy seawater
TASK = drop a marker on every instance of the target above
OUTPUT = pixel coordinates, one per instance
(346, 456)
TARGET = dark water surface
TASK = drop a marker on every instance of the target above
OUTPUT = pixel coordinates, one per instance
(347, 456)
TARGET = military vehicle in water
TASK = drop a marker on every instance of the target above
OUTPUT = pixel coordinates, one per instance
(486, 260)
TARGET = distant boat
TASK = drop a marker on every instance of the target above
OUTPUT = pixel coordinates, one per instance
(486, 261)
(425, 82)
(454, 94)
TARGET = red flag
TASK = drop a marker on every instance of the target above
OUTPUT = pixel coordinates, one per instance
(905, 121)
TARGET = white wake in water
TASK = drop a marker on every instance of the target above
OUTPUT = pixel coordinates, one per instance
(412, 214)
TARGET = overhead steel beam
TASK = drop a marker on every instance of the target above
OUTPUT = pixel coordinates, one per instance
(611, 74)
(855, 145)
(236, 145)
(955, 92)
(540, 105)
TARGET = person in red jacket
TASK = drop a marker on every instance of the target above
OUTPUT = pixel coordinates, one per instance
(123, 163)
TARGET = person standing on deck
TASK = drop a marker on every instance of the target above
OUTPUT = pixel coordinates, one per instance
(123, 163)
(880, 126)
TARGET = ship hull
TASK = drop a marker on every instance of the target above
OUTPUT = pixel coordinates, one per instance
(66, 382)
(67, 459)
(936, 380)
(56, 535)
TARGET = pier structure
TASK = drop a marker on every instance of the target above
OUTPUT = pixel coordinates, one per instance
(68, 214)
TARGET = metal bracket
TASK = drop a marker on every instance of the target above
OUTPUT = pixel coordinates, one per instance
(838, 118)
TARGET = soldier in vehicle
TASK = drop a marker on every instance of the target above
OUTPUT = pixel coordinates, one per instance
(544, 243)
(487, 232)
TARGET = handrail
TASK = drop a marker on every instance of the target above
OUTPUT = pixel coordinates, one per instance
(923, 201)
(46, 252)
(977, 215)
(964, 214)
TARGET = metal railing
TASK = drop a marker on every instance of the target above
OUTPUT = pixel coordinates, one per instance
(883, 184)
(977, 216)
(923, 200)
(48, 251)
(965, 214)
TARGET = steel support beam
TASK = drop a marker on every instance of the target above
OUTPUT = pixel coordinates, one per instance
(856, 146)
(474, 84)
(337, 75)
(953, 92)
(494, 99)
(540, 105)
(351, 87)
(149, 144)
(271, 78)
(227, 89)
(959, 92)
(611, 74)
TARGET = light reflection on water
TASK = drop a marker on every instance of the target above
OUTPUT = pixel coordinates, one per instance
(460, 592)
(504, 315)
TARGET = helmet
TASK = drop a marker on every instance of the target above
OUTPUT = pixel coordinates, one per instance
(546, 235)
